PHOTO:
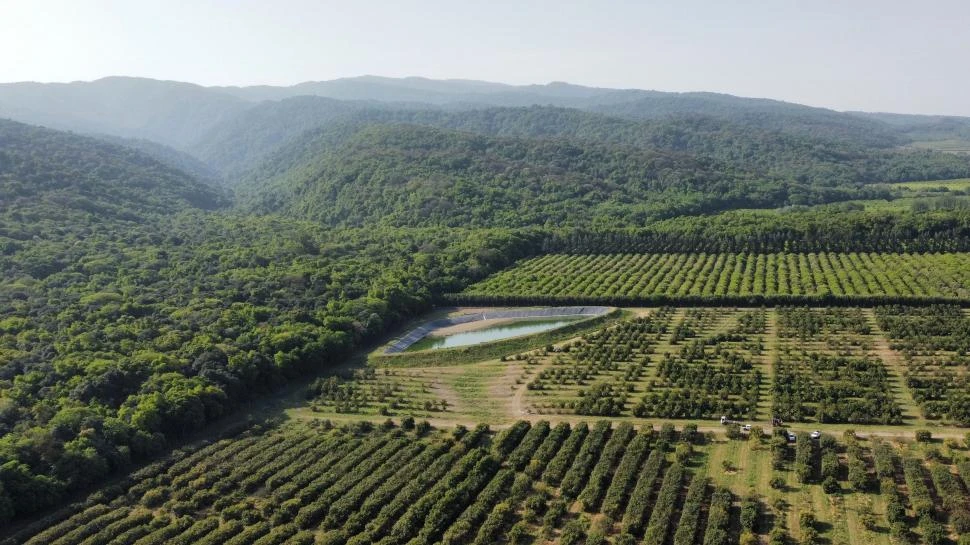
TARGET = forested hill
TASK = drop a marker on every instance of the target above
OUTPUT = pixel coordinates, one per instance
(925, 127)
(407, 175)
(48, 175)
(758, 114)
(241, 144)
(353, 174)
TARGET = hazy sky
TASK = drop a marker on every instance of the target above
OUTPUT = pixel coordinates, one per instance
(886, 55)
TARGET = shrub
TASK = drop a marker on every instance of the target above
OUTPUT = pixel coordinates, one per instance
(506, 440)
(624, 539)
(804, 458)
(572, 533)
(895, 511)
(496, 520)
(423, 427)
(517, 534)
(689, 433)
(683, 452)
(933, 532)
(154, 497)
(858, 476)
(779, 452)
(960, 519)
(809, 536)
(899, 532)
(750, 512)
(534, 507)
(757, 434)
(557, 510)
(923, 436)
(919, 494)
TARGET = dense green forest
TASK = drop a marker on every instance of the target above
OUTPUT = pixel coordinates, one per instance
(84, 176)
(120, 332)
(790, 152)
(148, 336)
(148, 291)
(410, 175)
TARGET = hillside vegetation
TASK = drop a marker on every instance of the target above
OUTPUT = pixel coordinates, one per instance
(414, 175)
(113, 344)
(131, 316)
(778, 146)
(77, 175)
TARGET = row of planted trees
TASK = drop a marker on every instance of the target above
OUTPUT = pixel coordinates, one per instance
(698, 276)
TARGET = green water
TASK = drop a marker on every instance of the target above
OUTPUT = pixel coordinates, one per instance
(493, 333)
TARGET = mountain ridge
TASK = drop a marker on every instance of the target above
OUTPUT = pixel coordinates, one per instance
(178, 114)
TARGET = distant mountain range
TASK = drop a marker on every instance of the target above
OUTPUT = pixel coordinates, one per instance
(182, 114)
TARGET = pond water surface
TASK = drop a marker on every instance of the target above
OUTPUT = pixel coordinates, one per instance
(492, 333)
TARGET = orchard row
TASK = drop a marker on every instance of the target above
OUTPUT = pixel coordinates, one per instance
(699, 277)
(407, 483)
